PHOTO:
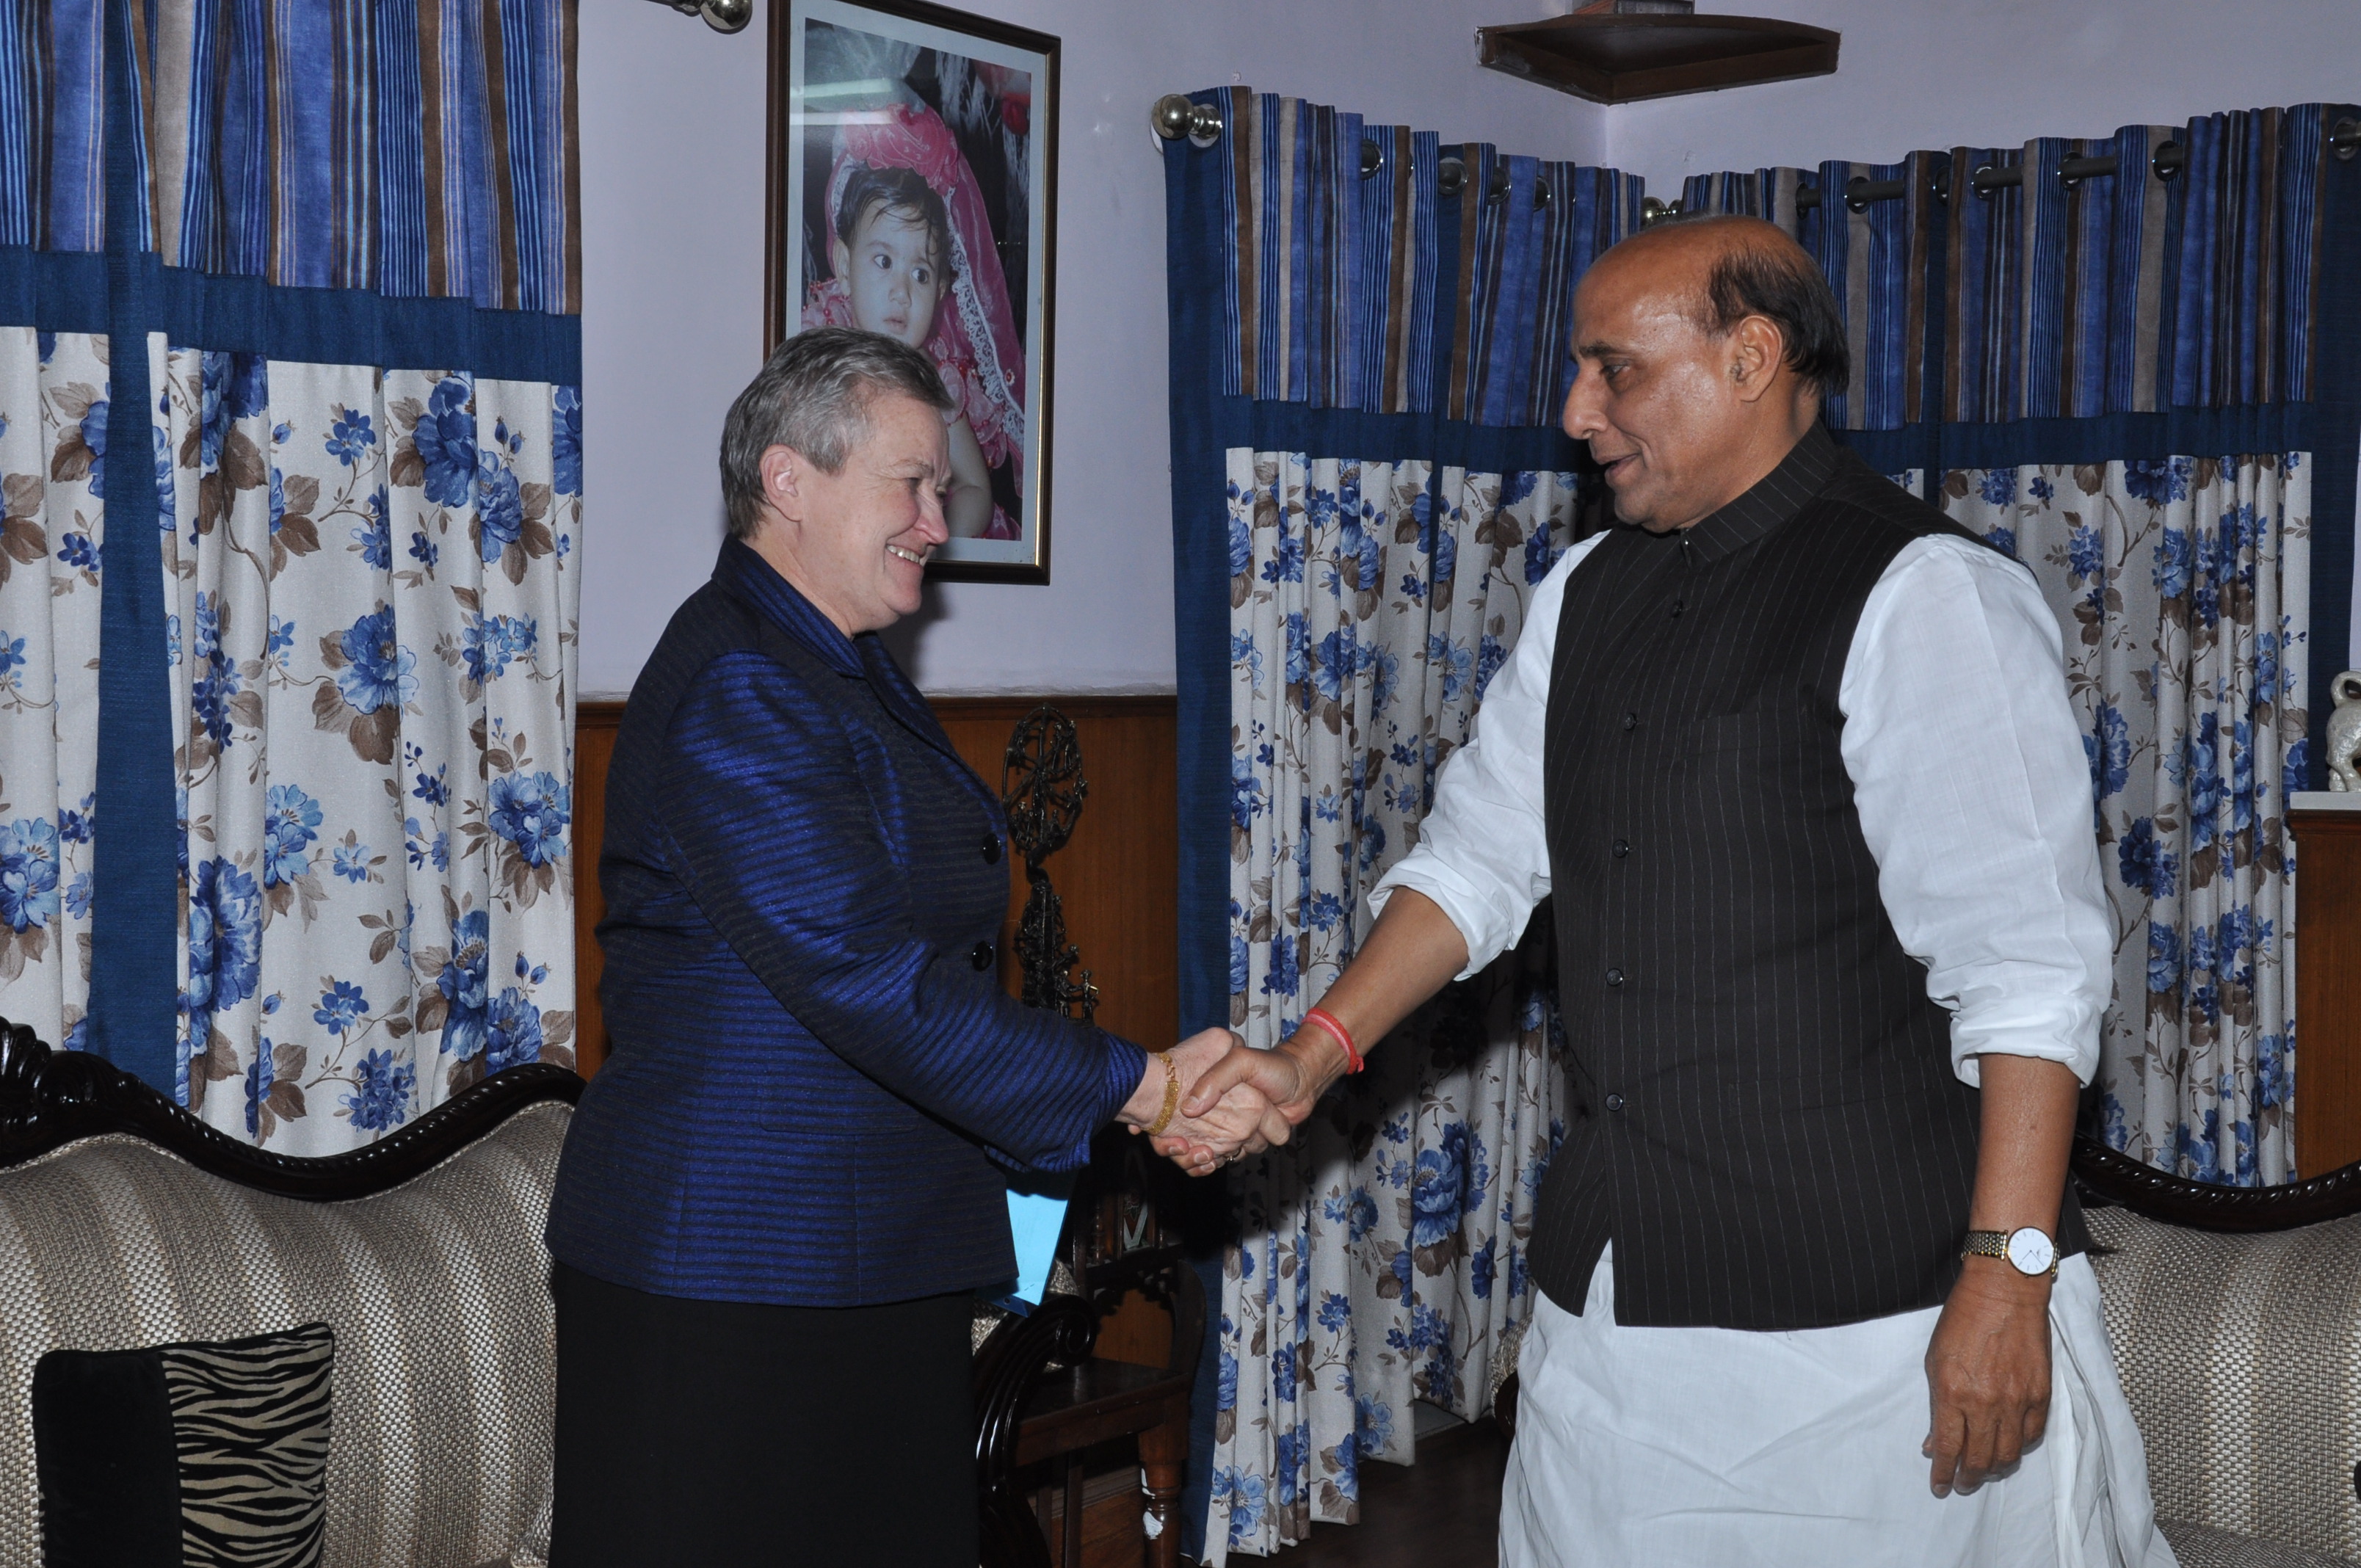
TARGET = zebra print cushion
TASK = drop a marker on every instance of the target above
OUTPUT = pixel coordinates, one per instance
(251, 1420)
(209, 1455)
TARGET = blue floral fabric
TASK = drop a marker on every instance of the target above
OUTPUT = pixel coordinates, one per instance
(2182, 586)
(371, 646)
(1383, 1250)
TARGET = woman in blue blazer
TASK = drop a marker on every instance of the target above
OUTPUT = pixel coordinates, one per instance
(783, 1188)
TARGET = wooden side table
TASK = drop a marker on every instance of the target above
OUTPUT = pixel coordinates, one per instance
(2327, 831)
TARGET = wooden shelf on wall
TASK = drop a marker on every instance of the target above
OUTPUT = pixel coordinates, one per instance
(1611, 59)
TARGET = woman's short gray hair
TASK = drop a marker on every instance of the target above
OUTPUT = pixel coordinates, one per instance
(813, 398)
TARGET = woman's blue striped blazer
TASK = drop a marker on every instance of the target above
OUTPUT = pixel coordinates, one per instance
(815, 1075)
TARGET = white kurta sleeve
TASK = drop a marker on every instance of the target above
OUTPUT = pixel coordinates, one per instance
(1974, 794)
(1483, 851)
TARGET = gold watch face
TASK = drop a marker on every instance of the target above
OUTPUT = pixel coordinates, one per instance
(2031, 1252)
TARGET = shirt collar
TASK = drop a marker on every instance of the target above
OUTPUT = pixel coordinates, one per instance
(745, 576)
(1776, 497)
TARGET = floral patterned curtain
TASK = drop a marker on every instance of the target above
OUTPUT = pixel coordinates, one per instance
(2067, 361)
(1368, 480)
(353, 646)
(2181, 585)
(1383, 1249)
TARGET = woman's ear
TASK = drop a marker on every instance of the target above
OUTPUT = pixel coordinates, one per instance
(783, 473)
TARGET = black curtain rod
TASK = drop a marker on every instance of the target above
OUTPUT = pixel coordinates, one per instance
(2167, 164)
(1176, 116)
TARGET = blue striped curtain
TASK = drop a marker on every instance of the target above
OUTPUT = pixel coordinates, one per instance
(2143, 387)
(286, 686)
(1368, 366)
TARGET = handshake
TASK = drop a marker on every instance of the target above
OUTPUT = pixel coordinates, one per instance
(1210, 1099)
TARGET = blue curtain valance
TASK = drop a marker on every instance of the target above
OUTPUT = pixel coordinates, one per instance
(2114, 293)
(413, 149)
(1377, 291)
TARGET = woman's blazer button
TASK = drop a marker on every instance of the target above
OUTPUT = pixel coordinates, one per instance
(992, 848)
(982, 957)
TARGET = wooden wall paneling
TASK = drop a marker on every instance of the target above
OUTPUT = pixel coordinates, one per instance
(2327, 988)
(1119, 874)
(594, 724)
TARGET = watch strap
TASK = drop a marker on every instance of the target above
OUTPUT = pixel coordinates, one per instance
(1994, 1243)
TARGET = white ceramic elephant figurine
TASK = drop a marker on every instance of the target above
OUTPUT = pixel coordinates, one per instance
(2344, 732)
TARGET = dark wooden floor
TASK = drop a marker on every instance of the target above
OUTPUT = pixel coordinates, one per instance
(1443, 1509)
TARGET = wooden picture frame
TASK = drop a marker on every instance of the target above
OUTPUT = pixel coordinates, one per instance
(912, 190)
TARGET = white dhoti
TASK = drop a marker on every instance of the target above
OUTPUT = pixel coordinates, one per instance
(1719, 1448)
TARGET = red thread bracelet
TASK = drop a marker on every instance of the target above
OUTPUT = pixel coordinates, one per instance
(1327, 1020)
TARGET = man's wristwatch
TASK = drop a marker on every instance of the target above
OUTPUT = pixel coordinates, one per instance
(2027, 1250)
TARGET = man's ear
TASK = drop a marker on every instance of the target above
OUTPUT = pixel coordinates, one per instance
(1757, 353)
(783, 473)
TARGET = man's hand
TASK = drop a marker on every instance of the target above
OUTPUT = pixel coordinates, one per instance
(1987, 1374)
(1283, 1086)
(1411, 953)
(1223, 1124)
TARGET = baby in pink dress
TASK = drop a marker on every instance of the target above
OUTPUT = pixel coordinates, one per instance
(898, 257)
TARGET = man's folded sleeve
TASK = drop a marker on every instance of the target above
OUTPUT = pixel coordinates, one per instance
(774, 832)
(1974, 794)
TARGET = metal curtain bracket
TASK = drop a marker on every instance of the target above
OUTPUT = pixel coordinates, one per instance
(1175, 116)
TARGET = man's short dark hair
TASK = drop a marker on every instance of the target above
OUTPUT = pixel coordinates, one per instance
(813, 398)
(1786, 290)
(902, 193)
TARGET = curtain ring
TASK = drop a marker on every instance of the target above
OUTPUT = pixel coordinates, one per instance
(1451, 177)
(1541, 193)
(1857, 193)
(1939, 184)
(2345, 138)
(2169, 160)
(1984, 172)
(1373, 157)
(1496, 189)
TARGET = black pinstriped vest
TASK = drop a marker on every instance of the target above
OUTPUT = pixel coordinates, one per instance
(1766, 1122)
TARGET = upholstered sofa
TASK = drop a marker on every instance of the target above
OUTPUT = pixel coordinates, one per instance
(127, 1224)
(2235, 1314)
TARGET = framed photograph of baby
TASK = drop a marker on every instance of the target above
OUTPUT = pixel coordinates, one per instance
(913, 191)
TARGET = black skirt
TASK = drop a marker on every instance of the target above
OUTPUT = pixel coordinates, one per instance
(697, 1434)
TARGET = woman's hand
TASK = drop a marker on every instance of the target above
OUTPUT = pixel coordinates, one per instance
(1249, 1100)
(1191, 1060)
(1238, 1120)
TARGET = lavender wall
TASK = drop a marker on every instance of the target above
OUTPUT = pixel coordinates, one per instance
(672, 180)
(1935, 73)
(673, 118)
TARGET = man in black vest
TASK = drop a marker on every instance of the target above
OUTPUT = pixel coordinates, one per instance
(1831, 964)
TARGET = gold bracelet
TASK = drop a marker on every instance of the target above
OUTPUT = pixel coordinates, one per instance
(1171, 1092)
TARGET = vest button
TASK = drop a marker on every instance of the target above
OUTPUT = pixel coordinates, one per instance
(980, 957)
(992, 848)
(1631, 721)
(1615, 1102)
(1614, 976)
(1623, 847)
(1678, 607)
